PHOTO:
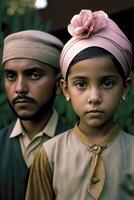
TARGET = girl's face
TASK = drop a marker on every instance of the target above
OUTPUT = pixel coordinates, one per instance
(95, 89)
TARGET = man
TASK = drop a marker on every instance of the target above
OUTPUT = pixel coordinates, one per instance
(31, 65)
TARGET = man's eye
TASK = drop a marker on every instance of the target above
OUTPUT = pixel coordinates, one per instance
(10, 77)
(35, 76)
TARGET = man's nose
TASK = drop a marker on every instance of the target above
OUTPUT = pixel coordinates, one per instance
(21, 85)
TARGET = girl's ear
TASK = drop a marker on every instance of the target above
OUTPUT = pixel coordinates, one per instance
(127, 85)
(64, 87)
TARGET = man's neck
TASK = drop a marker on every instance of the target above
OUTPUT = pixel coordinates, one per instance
(33, 127)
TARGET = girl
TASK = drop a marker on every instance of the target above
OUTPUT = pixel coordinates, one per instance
(95, 159)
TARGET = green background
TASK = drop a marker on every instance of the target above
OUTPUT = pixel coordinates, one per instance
(21, 15)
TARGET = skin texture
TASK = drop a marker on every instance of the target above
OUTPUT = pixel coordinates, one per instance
(95, 89)
(30, 87)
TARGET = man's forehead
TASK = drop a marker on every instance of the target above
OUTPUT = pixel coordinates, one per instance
(26, 65)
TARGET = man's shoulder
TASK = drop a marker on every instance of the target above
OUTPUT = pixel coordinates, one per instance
(62, 126)
(5, 131)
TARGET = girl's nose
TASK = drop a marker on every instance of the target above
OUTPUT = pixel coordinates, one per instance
(94, 96)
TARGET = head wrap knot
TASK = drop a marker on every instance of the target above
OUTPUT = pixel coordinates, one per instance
(96, 29)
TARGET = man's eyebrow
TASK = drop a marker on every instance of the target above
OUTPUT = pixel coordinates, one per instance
(34, 69)
(8, 70)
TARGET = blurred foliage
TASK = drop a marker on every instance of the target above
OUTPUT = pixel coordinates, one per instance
(125, 113)
(16, 15)
(19, 6)
(65, 110)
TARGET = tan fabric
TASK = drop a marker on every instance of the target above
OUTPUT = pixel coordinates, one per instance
(70, 162)
(30, 147)
(42, 184)
(97, 170)
(33, 44)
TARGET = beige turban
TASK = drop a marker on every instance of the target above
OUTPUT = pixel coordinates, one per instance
(33, 44)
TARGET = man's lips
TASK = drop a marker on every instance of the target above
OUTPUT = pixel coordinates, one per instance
(22, 101)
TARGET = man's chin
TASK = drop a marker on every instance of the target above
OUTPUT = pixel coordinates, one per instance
(21, 117)
(28, 117)
(25, 118)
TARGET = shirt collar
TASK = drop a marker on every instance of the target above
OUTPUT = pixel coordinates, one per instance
(107, 139)
(49, 129)
(17, 130)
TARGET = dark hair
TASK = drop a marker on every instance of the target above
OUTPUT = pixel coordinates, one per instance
(92, 52)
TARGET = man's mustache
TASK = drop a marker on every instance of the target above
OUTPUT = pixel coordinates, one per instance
(20, 97)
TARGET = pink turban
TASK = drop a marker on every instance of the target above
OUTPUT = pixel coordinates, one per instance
(95, 29)
(33, 44)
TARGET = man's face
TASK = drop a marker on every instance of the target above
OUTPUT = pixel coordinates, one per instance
(30, 87)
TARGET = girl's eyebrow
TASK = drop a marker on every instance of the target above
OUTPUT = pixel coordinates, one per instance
(78, 77)
(111, 76)
(106, 76)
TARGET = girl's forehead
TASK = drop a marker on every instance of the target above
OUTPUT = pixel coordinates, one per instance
(94, 65)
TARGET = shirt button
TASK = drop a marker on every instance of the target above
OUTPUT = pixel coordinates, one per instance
(95, 180)
(95, 148)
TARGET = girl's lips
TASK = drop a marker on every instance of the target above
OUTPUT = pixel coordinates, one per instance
(95, 113)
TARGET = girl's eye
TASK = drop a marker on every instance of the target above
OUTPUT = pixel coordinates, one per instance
(81, 84)
(108, 83)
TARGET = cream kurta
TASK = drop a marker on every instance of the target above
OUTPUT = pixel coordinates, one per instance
(29, 146)
(62, 168)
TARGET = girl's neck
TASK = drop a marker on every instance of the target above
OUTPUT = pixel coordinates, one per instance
(96, 134)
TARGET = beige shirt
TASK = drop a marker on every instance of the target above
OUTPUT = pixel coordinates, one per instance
(62, 166)
(30, 147)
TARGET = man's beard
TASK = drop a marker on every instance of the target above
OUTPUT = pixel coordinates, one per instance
(39, 114)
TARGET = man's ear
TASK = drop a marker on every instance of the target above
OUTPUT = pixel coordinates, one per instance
(64, 87)
(58, 87)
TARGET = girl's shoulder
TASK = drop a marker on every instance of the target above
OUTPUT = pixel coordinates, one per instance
(126, 135)
(58, 147)
(60, 139)
(126, 139)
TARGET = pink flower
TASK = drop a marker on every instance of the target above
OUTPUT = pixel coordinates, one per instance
(87, 22)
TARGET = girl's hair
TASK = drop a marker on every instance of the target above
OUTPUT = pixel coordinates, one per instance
(92, 52)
